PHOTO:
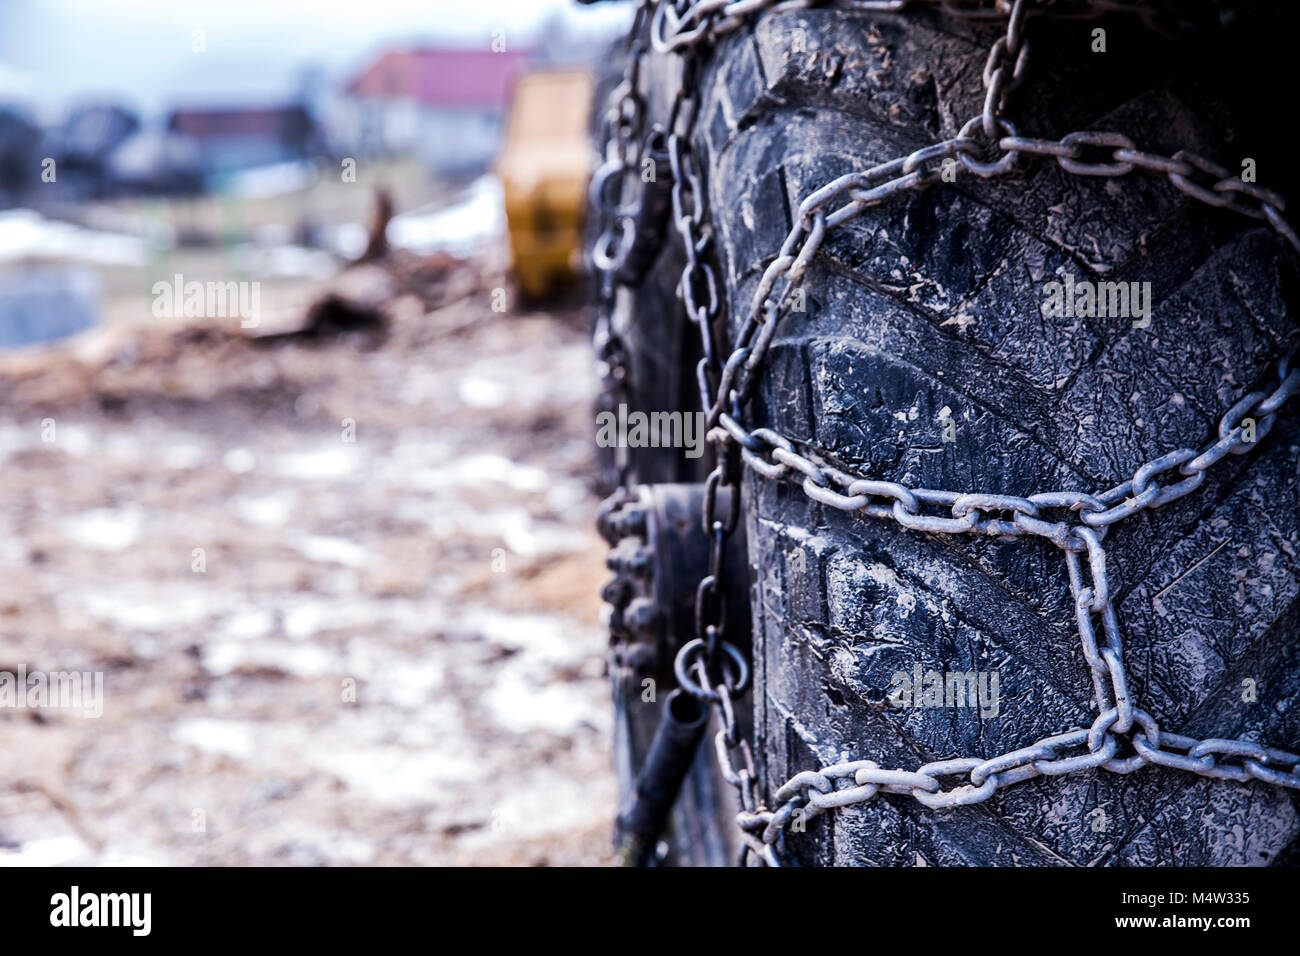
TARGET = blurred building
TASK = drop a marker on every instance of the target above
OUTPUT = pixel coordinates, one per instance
(82, 143)
(229, 140)
(153, 162)
(444, 106)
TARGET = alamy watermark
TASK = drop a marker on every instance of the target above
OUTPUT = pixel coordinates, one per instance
(180, 299)
(1098, 300)
(55, 690)
(923, 688)
(133, 911)
(638, 429)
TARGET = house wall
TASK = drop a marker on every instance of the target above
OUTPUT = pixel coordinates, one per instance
(449, 140)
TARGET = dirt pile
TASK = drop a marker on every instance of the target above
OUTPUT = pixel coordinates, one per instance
(340, 583)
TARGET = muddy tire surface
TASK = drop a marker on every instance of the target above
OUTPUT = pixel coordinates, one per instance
(927, 309)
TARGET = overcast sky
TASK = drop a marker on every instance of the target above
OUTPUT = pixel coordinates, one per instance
(141, 50)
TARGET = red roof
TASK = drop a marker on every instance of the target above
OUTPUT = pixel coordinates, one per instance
(256, 121)
(479, 78)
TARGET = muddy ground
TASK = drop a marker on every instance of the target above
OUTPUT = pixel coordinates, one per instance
(342, 591)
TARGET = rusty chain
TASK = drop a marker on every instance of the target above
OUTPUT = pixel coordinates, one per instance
(713, 669)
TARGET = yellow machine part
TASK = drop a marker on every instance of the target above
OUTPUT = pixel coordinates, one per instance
(544, 167)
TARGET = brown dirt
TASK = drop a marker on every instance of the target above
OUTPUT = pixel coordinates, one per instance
(442, 564)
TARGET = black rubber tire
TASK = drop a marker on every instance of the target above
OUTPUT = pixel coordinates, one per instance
(932, 301)
(662, 346)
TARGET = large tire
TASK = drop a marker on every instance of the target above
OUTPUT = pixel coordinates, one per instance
(932, 301)
(662, 347)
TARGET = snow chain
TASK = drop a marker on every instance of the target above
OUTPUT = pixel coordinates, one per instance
(988, 145)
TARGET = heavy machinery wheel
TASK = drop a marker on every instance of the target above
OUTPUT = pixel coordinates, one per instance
(924, 317)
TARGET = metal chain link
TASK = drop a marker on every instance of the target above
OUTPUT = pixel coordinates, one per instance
(703, 22)
(774, 457)
(726, 387)
(614, 195)
(708, 654)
